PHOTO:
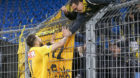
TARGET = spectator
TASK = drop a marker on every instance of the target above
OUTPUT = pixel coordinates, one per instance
(82, 12)
(80, 47)
(79, 55)
(134, 34)
(80, 43)
(111, 45)
(119, 59)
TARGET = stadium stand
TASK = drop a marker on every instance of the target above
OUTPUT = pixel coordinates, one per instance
(16, 13)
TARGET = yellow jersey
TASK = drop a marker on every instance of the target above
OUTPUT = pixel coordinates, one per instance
(37, 61)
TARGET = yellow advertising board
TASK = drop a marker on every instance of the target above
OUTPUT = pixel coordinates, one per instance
(59, 63)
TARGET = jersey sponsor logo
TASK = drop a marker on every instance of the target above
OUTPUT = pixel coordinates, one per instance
(31, 54)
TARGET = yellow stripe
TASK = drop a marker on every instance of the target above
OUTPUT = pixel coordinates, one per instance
(85, 5)
(21, 56)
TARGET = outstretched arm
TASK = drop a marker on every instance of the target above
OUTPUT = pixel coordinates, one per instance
(53, 39)
(79, 22)
(66, 34)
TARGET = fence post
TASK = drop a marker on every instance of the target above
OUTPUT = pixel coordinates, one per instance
(26, 62)
(91, 44)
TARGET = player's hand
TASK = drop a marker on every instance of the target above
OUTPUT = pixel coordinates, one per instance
(66, 32)
(64, 9)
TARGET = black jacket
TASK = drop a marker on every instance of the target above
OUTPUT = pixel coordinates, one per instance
(81, 18)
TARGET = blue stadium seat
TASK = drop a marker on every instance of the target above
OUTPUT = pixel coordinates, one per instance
(29, 9)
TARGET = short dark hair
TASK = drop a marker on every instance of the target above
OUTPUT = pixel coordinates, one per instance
(30, 40)
(75, 2)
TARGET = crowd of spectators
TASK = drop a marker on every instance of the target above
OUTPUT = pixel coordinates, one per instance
(118, 43)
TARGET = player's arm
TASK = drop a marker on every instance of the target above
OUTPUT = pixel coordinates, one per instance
(59, 44)
(47, 49)
(53, 39)
(66, 34)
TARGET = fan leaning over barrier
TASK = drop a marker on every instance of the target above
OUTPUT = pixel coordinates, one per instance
(82, 10)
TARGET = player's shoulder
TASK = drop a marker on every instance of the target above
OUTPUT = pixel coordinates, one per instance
(34, 49)
(47, 46)
(40, 48)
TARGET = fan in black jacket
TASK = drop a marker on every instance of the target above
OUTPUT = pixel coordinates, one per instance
(82, 11)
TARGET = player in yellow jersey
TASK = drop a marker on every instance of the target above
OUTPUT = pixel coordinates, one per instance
(38, 51)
